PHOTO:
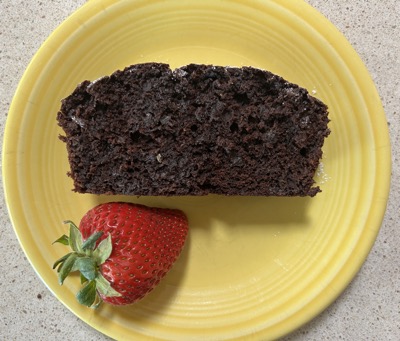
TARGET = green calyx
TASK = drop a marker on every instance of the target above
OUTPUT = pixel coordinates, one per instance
(86, 259)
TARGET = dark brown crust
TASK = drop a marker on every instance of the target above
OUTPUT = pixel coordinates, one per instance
(200, 129)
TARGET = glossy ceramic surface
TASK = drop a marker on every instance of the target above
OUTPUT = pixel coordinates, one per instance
(253, 267)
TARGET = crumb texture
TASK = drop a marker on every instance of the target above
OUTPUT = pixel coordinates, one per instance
(196, 130)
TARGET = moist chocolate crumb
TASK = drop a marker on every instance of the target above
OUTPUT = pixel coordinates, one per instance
(196, 130)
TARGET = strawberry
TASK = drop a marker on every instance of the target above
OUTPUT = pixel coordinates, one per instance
(122, 251)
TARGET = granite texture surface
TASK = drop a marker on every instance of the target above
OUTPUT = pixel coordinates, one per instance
(369, 309)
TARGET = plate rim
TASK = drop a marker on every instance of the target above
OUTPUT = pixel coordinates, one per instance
(347, 53)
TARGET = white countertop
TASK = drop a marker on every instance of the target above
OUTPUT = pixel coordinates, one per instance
(369, 309)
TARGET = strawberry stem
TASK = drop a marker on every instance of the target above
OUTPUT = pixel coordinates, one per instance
(66, 267)
(86, 258)
(62, 240)
(87, 295)
(90, 243)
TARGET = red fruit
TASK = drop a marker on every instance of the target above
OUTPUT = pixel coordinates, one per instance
(122, 250)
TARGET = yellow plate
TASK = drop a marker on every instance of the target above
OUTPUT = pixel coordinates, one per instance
(253, 268)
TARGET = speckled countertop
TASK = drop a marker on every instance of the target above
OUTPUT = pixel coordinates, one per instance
(369, 309)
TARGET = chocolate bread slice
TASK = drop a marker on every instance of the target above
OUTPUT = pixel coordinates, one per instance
(195, 130)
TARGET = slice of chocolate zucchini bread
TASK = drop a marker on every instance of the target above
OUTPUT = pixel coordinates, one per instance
(195, 130)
